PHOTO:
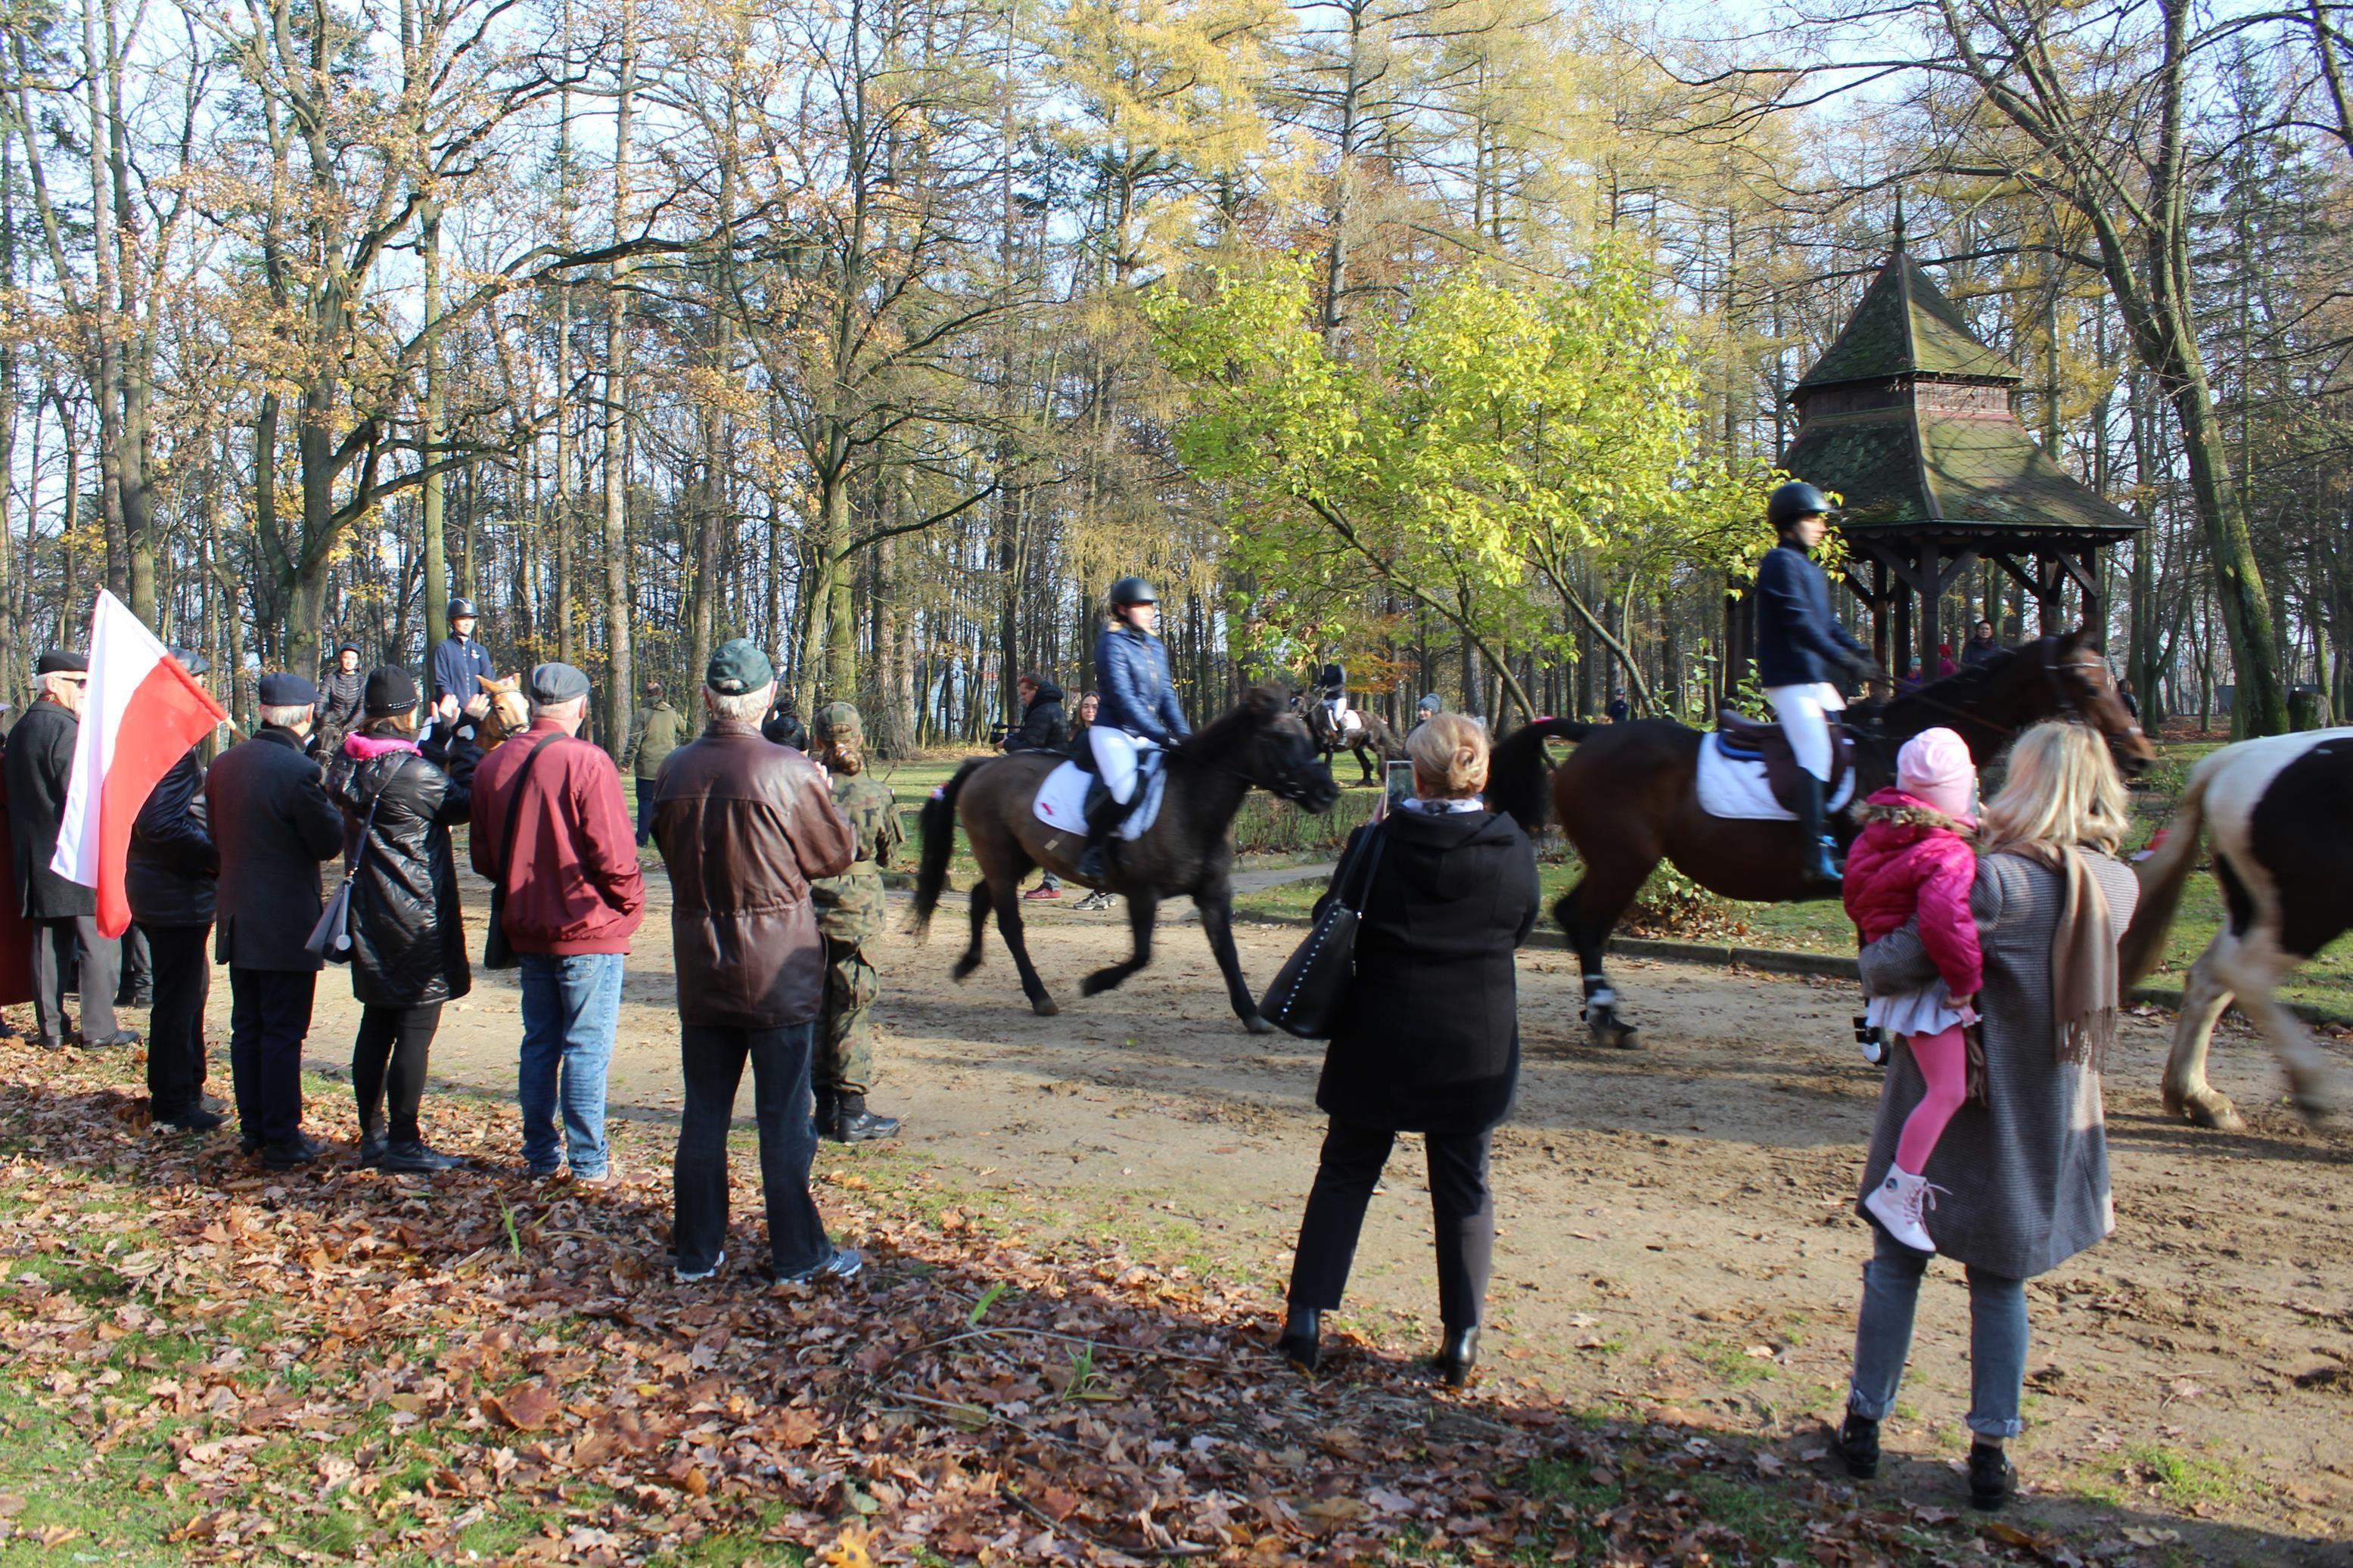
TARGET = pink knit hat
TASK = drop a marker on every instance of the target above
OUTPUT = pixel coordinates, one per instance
(1934, 766)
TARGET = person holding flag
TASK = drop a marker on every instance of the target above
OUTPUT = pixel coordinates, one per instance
(64, 913)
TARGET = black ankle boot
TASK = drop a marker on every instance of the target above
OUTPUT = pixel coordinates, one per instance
(373, 1141)
(1457, 1354)
(1991, 1479)
(1299, 1339)
(412, 1156)
(853, 1124)
(1858, 1445)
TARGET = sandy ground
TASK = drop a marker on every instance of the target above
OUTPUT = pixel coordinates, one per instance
(1676, 1233)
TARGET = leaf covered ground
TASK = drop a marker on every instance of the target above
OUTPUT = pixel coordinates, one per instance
(217, 1364)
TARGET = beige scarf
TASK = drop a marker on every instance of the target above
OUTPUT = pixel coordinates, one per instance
(2083, 968)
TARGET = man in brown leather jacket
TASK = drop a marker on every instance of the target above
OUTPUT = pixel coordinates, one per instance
(743, 825)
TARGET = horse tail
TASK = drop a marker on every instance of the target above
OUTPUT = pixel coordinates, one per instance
(1517, 770)
(2163, 876)
(938, 822)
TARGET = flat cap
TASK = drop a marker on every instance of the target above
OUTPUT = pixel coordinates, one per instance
(838, 718)
(390, 689)
(737, 666)
(286, 689)
(554, 682)
(61, 661)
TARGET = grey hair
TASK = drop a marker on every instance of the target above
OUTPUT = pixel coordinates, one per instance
(285, 715)
(538, 707)
(742, 708)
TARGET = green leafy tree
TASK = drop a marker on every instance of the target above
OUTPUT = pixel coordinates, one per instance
(1463, 454)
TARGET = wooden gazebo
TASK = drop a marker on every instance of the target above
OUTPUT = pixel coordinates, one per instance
(1908, 420)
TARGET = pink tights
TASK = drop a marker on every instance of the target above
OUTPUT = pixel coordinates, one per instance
(1944, 1060)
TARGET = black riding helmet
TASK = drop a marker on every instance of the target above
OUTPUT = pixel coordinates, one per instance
(1793, 501)
(463, 610)
(1130, 591)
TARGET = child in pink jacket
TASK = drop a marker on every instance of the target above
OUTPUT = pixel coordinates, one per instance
(1914, 860)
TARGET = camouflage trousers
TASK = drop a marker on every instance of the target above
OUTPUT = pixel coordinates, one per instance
(843, 1062)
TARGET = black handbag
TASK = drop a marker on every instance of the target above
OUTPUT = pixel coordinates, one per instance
(496, 953)
(330, 938)
(1307, 992)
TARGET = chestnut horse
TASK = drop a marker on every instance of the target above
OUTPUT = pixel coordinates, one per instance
(1187, 848)
(1627, 796)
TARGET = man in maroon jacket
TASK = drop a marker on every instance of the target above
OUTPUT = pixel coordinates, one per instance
(552, 834)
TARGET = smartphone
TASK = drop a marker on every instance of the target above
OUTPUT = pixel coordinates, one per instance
(1397, 779)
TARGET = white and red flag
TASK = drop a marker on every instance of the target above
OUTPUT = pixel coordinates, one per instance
(142, 713)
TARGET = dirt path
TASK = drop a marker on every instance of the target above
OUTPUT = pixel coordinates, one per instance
(1677, 1238)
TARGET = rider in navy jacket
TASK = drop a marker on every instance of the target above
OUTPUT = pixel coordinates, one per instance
(1799, 638)
(1136, 692)
(1138, 701)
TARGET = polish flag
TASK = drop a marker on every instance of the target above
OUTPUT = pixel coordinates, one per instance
(141, 712)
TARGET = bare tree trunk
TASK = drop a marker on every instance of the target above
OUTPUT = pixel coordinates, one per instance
(619, 670)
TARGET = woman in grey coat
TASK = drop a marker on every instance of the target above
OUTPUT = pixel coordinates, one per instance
(2020, 1178)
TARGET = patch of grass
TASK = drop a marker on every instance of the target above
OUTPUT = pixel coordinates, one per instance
(1731, 1363)
(2181, 1479)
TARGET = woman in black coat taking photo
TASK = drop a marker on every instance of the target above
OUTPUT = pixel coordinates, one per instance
(408, 941)
(1427, 1037)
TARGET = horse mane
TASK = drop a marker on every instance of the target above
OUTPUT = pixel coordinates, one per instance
(1217, 738)
(1963, 688)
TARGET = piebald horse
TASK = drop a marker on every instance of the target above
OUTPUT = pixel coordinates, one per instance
(2278, 813)
(1627, 796)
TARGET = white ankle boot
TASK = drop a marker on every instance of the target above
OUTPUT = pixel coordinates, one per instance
(1898, 1203)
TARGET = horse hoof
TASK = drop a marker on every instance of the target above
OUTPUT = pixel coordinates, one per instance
(1257, 1025)
(1611, 1034)
(1045, 1006)
(1101, 981)
(963, 969)
(2323, 1101)
(2218, 1113)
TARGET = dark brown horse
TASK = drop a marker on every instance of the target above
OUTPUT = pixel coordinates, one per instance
(1188, 849)
(1628, 797)
(1375, 741)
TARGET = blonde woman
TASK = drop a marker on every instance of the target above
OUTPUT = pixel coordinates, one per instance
(1427, 1038)
(2020, 1179)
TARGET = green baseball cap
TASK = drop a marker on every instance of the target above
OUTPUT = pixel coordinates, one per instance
(737, 666)
(838, 719)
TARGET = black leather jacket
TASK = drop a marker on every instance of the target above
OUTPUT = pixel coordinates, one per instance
(172, 875)
(408, 943)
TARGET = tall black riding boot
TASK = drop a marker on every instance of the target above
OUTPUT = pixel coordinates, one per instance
(1822, 866)
(1103, 820)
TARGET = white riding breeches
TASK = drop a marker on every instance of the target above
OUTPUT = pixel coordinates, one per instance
(1119, 759)
(1802, 710)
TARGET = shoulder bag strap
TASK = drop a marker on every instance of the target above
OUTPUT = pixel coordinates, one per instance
(1370, 854)
(514, 809)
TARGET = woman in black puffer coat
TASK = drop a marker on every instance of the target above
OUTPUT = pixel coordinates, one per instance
(408, 941)
(1427, 1037)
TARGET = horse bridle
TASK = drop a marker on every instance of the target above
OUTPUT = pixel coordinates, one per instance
(2051, 669)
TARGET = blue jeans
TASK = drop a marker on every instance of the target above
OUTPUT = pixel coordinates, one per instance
(645, 810)
(712, 1060)
(571, 1005)
(1883, 1339)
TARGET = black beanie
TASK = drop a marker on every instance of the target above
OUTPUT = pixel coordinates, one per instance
(390, 691)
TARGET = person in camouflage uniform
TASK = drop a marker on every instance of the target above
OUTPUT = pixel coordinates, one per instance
(850, 910)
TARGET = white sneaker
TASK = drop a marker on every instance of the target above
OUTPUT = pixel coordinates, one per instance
(1898, 1203)
(689, 1276)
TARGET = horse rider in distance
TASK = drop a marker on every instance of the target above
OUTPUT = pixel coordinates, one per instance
(1138, 712)
(1801, 647)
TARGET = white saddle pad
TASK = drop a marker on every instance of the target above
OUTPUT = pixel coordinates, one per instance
(1062, 800)
(1351, 722)
(1737, 788)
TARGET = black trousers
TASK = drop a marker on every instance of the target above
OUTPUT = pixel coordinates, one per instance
(1463, 1208)
(713, 1062)
(388, 1061)
(270, 1013)
(55, 946)
(176, 1027)
(135, 976)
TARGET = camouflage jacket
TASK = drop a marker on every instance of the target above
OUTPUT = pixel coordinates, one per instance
(849, 907)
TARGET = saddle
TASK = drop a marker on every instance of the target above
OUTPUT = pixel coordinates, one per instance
(1755, 740)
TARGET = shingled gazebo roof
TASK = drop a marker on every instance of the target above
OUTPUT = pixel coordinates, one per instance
(1908, 418)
